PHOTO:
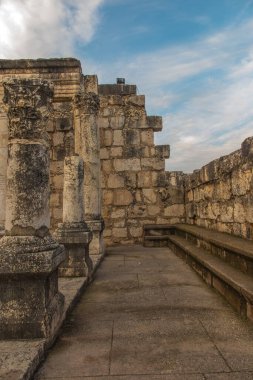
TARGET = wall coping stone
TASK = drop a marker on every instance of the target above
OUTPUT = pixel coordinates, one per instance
(39, 63)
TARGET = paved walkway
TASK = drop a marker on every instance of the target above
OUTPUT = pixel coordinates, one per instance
(149, 316)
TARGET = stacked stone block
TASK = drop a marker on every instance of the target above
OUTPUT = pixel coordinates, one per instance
(64, 134)
(134, 181)
(219, 195)
(66, 74)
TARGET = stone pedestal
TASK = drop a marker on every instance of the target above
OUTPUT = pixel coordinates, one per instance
(87, 145)
(97, 244)
(31, 305)
(74, 232)
(76, 238)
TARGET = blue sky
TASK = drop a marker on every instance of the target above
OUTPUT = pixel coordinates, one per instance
(193, 59)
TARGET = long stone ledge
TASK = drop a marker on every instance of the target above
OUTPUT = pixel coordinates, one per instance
(40, 63)
(222, 240)
(236, 287)
(117, 89)
(239, 245)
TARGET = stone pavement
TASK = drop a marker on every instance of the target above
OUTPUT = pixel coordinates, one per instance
(147, 315)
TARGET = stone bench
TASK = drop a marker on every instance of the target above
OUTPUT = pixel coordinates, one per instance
(223, 261)
(156, 235)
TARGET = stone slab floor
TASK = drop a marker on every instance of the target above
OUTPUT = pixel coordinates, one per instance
(147, 315)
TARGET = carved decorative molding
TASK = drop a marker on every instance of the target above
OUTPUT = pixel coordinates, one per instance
(28, 106)
(62, 110)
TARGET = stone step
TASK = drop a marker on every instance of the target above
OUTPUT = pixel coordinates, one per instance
(157, 229)
(235, 286)
(234, 250)
(156, 241)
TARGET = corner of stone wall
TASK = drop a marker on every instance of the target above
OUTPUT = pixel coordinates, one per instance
(136, 189)
(90, 83)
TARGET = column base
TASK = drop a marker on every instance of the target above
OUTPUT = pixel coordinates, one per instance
(76, 238)
(31, 305)
(97, 245)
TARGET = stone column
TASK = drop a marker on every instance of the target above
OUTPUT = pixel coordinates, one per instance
(86, 106)
(3, 163)
(31, 305)
(73, 232)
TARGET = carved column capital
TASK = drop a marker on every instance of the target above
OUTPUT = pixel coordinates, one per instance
(87, 103)
(28, 105)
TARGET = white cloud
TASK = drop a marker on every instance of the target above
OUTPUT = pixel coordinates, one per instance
(32, 28)
(203, 88)
(209, 126)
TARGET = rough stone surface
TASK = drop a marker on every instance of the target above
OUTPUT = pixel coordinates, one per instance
(31, 305)
(219, 195)
(66, 76)
(73, 210)
(133, 177)
(96, 247)
(19, 359)
(74, 232)
(87, 145)
(76, 238)
(28, 157)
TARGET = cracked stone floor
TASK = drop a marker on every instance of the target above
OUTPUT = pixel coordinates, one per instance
(147, 315)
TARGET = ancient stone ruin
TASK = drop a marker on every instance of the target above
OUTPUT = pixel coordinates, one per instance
(79, 171)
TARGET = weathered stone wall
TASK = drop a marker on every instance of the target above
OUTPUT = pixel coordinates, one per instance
(66, 75)
(220, 195)
(136, 189)
(31, 306)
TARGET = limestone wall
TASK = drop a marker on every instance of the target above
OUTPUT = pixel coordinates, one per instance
(136, 189)
(66, 76)
(220, 195)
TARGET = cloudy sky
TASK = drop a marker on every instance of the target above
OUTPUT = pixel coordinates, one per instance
(193, 59)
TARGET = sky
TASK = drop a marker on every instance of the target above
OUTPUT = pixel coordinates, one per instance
(193, 59)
